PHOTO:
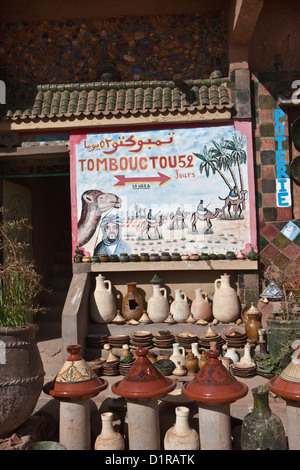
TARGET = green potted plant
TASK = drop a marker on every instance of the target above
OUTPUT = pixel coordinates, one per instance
(285, 326)
(21, 368)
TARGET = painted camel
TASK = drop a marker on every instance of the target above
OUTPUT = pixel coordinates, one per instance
(236, 203)
(204, 215)
(94, 204)
(152, 227)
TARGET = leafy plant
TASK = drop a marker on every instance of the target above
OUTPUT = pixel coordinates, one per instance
(20, 283)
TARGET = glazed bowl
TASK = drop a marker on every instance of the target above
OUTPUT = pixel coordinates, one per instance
(165, 366)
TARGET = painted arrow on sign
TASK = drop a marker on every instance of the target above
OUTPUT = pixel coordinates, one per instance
(161, 179)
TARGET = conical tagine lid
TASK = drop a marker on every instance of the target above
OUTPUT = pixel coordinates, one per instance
(144, 381)
(287, 384)
(75, 380)
(214, 383)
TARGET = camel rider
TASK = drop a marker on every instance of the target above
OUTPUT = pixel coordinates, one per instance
(112, 242)
(233, 193)
(202, 210)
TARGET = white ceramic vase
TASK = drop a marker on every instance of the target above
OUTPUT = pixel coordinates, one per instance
(226, 305)
(102, 302)
(181, 436)
(178, 354)
(109, 439)
(179, 308)
(157, 306)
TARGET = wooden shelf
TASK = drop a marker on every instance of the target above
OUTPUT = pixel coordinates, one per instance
(204, 265)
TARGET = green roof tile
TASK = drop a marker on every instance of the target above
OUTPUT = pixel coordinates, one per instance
(118, 97)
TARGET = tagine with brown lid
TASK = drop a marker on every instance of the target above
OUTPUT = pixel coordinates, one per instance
(144, 381)
(214, 383)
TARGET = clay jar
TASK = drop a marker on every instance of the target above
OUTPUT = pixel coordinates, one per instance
(226, 306)
(109, 439)
(178, 354)
(158, 307)
(181, 436)
(132, 305)
(253, 324)
(179, 308)
(102, 302)
(191, 363)
(200, 307)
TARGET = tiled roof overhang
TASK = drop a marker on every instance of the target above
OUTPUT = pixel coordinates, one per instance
(119, 99)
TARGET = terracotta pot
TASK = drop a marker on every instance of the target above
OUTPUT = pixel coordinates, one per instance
(132, 305)
(191, 363)
(21, 376)
(200, 307)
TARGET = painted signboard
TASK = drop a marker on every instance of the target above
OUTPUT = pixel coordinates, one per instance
(185, 189)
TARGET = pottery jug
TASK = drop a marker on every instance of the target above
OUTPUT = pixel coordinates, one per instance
(191, 363)
(200, 307)
(179, 308)
(261, 429)
(181, 436)
(179, 370)
(195, 350)
(253, 324)
(178, 354)
(247, 359)
(109, 439)
(202, 360)
(102, 302)
(132, 305)
(232, 354)
(158, 307)
(226, 306)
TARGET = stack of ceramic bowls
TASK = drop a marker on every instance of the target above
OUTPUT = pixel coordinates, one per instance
(210, 337)
(97, 366)
(241, 369)
(124, 367)
(111, 368)
(185, 339)
(117, 341)
(163, 339)
(141, 339)
(95, 341)
(235, 338)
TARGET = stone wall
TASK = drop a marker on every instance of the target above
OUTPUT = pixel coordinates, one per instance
(143, 48)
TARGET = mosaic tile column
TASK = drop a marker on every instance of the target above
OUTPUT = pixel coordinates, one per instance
(279, 234)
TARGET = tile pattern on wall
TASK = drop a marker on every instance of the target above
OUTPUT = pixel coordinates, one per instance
(278, 253)
(177, 46)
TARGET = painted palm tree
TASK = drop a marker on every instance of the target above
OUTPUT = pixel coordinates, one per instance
(225, 159)
(209, 162)
(238, 154)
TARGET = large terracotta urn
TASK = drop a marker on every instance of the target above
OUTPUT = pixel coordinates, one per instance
(226, 305)
(21, 376)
